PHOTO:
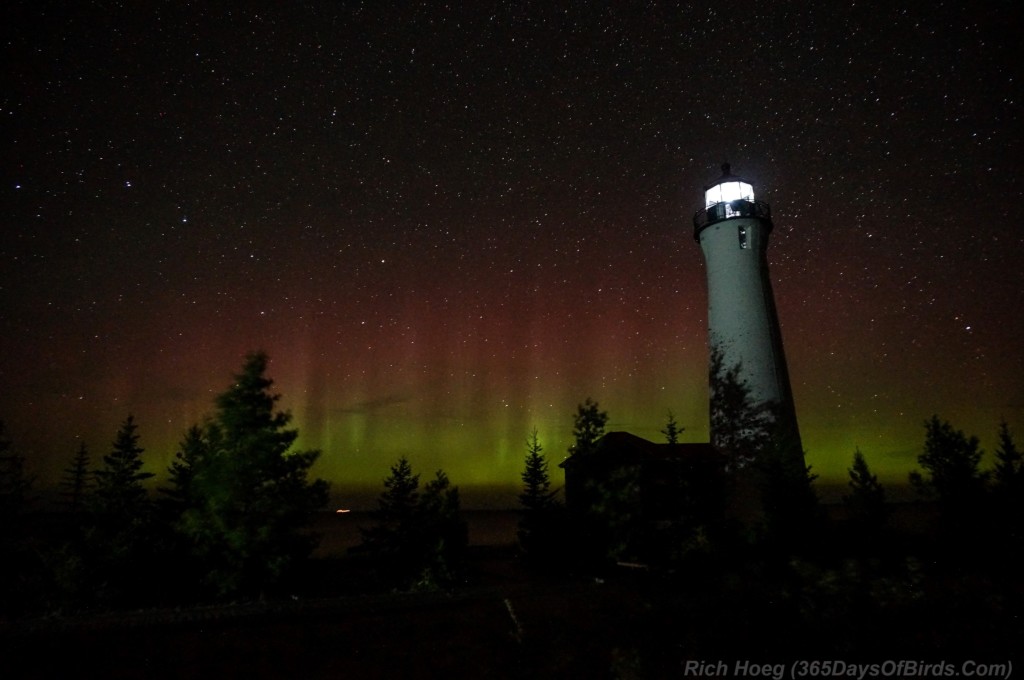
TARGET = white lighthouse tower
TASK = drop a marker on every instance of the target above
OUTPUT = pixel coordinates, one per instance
(732, 229)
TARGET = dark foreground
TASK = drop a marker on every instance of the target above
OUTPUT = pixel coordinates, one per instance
(503, 627)
(510, 623)
(909, 602)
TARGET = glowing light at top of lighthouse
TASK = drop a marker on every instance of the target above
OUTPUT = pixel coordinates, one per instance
(729, 188)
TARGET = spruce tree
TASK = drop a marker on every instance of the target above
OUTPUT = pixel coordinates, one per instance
(588, 426)
(17, 564)
(536, 493)
(442, 533)
(391, 540)
(15, 484)
(672, 429)
(952, 476)
(741, 429)
(250, 495)
(120, 496)
(1008, 472)
(188, 460)
(952, 462)
(419, 538)
(866, 500)
(77, 480)
(179, 497)
(760, 459)
(538, 519)
(398, 502)
(117, 546)
(1008, 487)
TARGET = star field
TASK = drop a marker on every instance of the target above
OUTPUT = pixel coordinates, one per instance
(450, 226)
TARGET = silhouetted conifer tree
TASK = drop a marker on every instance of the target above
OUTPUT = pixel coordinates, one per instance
(672, 430)
(761, 458)
(866, 499)
(588, 427)
(1008, 472)
(184, 566)
(117, 544)
(120, 496)
(1008, 487)
(442, 533)
(536, 493)
(188, 460)
(396, 507)
(951, 462)
(15, 484)
(77, 481)
(251, 496)
(538, 522)
(740, 428)
(15, 553)
(419, 538)
(391, 541)
(587, 530)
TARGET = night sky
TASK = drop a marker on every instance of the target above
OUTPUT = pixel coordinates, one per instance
(449, 226)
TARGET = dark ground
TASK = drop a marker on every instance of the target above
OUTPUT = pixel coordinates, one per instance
(508, 622)
(500, 627)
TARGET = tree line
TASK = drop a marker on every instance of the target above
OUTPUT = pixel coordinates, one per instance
(230, 522)
(971, 505)
(232, 519)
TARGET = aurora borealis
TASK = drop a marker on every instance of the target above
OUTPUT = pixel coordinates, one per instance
(449, 226)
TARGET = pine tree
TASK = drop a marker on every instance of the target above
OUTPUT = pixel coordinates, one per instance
(117, 546)
(760, 456)
(588, 427)
(672, 429)
(740, 428)
(440, 505)
(1008, 487)
(442, 533)
(951, 460)
(536, 493)
(188, 460)
(120, 496)
(17, 564)
(15, 484)
(1009, 468)
(251, 497)
(390, 537)
(866, 500)
(397, 504)
(538, 520)
(77, 481)
(419, 538)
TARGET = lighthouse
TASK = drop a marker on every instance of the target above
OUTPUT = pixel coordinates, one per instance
(732, 229)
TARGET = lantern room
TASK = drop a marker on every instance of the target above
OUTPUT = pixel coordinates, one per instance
(729, 197)
(728, 189)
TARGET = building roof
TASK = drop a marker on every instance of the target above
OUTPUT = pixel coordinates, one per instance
(626, 447)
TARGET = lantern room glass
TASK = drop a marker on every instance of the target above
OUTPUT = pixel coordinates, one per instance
(726, 192)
